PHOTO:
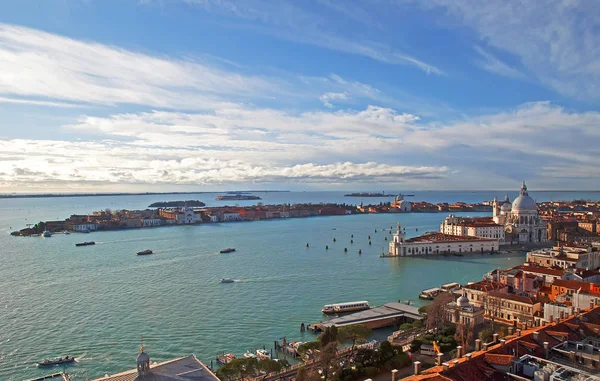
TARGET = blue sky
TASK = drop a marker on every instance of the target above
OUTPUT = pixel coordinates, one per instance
(162, 95)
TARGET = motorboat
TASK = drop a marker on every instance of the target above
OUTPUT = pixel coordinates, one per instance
(145, 252)
(85, 243)
(228, 250)
(249, 355)
(47, 234)
(57, 361)
(263, 354)
(227, 280)
(225, 358)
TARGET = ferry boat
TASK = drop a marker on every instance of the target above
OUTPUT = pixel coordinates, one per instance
(345, 307)
(263, 354)
(57, 361)
(47, 234)
(227, 280)
(228, 250)
(225, 358)
(85, 243)
(145, 252)
(450, 287)
(430, 293)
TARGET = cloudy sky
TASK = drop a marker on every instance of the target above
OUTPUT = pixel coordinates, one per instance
(161, 95)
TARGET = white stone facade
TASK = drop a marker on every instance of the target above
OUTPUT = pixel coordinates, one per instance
(473, 227)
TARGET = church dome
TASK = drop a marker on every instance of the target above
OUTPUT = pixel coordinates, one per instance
(506, 207)
(463, 301)
(524, 202)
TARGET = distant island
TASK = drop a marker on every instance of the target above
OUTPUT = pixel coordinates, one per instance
(176, 204)
(238, 197)
(367, 194)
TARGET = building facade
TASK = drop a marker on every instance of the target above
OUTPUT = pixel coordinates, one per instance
(473, 227)
(566, 257)
(521, 220)
(439, 243)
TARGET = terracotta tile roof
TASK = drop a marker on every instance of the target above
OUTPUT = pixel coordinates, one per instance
(494, 359)
(485, 286)
(541, 270)
(513, 297)
(572, 284)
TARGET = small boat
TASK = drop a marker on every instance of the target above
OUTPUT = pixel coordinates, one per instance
(227, 280)
(225, 358)
(263, 354)
(47, 234)
(228, 250)
(57, 361)
(457, 255)
(85, 243)
(249, 355)
(145, 252)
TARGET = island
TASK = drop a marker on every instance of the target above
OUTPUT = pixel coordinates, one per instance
(176, 204)
(367, 194)
(238, 197)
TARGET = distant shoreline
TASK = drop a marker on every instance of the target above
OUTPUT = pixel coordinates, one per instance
(50, 195)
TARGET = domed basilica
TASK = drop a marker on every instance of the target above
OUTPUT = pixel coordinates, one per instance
(522, 223)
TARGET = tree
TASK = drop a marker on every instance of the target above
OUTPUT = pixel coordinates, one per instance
(464, 335)
(238, 369)
(436, 311)
(305, 374)
(485, 335)
(329, 335)
(309, 345)
(327, 357)
(355, 333)
(271, 366)
(492, 306)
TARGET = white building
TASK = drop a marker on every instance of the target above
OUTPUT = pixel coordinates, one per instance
(188, 216)
(439, 243)
(401, 205)
(522, 223)
(231, 216)
(473, 227)
(463, 312)
(85, 227)
(566, 256)
(151, 222)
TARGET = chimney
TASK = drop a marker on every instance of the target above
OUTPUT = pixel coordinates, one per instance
(536, 337)
(495, 338)
(518, 332)
(546, 349)
(459, 351)
(468, 356)
(417, 367)
(477, 345)
(502, 342)
(439, 358)
(485, 346)
(445, 366)
(394, 371)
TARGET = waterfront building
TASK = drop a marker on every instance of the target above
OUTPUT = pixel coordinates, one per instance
(187, 368)
(521, 220)
(566, 256)
(146, 222)
(477, 292)
(181, 216)
(463, 312)
(85, 227)
(439, 243)
(401, 205)
(546, 274)
(483, 227)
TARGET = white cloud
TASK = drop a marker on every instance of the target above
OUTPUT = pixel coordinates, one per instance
(556, 40)
(494, 65)
(328, 97)
(289, 21)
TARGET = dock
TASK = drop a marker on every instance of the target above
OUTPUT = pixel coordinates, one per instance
(390, 314)
(61, 376)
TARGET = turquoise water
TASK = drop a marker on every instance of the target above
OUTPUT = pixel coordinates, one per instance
(95, 302)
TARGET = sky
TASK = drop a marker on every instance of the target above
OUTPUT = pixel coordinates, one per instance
(205, 95)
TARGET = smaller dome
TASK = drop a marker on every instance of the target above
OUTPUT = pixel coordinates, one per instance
(463, 301)
(506, 207)
(143, 358)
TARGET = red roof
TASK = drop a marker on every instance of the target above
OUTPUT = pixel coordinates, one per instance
(572, 284)
(513, 297)
(441, 237)
(495, 359)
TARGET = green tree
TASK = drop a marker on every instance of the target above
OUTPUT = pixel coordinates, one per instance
(355, 333)
(485, 335)
(305, 374)
(329, 335)
(271, 366)
(238, 369)
(309, 345)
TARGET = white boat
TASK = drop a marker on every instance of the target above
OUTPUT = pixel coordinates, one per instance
(47, 233)
(340, 308)
(450, 287)
(431, 293)
(227, 280)
(263, 354)
(249, 355)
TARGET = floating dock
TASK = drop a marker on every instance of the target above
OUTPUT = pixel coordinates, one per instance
(389, 314)
(56, 376)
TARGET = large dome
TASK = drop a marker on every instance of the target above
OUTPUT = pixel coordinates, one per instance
(524, 202)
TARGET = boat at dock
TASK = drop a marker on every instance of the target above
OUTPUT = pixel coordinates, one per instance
(450, 287)
(228, 250)
(430, 293)
(57, 361)
(263, 354)
(249, 355)
(227, 280)
(340, 308)
(145, 252)
(47, 234)
(225, 358)
(85, 243)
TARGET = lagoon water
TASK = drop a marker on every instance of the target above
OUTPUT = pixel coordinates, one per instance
(95, 302)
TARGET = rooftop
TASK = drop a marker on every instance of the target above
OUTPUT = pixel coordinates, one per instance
(513, 297)
(441, 237)
(387, 310)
